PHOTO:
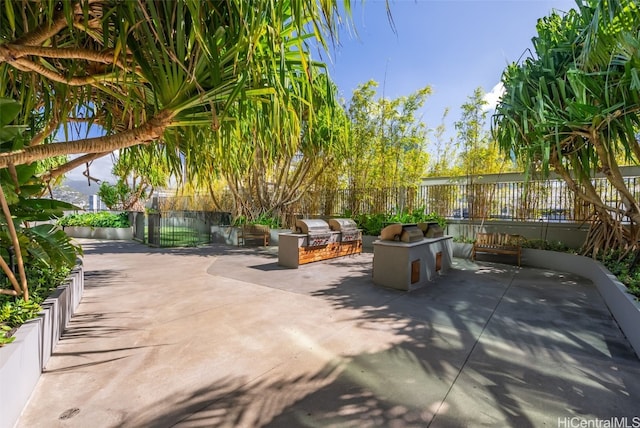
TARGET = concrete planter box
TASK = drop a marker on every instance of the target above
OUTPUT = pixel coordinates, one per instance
(274, 239)
(224, 235)
(367, 242)
(22, 361)
(116, 233)
(462, 250)
(229, 235)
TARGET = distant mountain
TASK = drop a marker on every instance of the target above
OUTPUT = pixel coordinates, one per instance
(82, 186)
(76, 192)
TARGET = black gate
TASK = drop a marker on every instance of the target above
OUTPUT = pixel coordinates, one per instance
(182, 228)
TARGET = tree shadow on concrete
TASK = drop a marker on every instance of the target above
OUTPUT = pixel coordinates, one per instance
(133, 247)
(450, 366)
(101, 278)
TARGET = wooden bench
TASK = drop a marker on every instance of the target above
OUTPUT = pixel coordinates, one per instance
(497, 243)
(253, 232)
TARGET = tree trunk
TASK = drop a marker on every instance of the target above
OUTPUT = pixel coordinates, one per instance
(16, 246)
(606, 230)
(151, 130)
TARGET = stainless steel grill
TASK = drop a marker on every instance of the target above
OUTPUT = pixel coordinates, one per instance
(317, 231)
(348, 229)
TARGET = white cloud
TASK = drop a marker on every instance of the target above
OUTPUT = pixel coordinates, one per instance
(99, 168)
(492, 98)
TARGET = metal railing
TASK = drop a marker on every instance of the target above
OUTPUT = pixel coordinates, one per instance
(477, 198)
(535, 200)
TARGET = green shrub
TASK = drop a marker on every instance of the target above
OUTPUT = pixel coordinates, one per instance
(43, 280)
(372, 224)
(17, 312)
(265, 219)
(14, 311)
(4, 331)
(99, 219)
(540, 244)
(621, 267)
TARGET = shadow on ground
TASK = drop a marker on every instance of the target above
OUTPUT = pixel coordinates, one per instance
(484, 345)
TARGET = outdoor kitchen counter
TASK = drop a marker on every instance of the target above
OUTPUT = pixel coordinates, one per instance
(295, 249)
(288, 244)
(408, 265)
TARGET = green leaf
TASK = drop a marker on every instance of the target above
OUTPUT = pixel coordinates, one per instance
(9, 110)
(10, 15)
(51, 246)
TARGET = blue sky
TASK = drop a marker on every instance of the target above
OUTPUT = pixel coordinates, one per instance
(454, 46)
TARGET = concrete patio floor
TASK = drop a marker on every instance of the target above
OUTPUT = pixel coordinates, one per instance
(223, 337)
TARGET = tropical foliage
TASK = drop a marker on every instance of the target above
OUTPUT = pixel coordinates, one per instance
(121, 196)
(442, 159)
(265, 179)
(473, 151)
(138, 175)
(387, 141)
(15, 311)
(573, 109)
(170, 72)
(99, 219)
(477, 152)
(43, 245)
(377, 143)
(372, 224)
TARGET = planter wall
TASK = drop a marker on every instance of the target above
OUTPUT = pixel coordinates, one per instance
(569, 233)
(367, 243)
(274, 239)
(229, 235)
(116, 233)
(462, 250)
(22, 361)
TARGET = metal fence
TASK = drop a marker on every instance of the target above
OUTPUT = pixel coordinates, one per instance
(177, 228)
(550, 200)
(534, 200)
(462, 198)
